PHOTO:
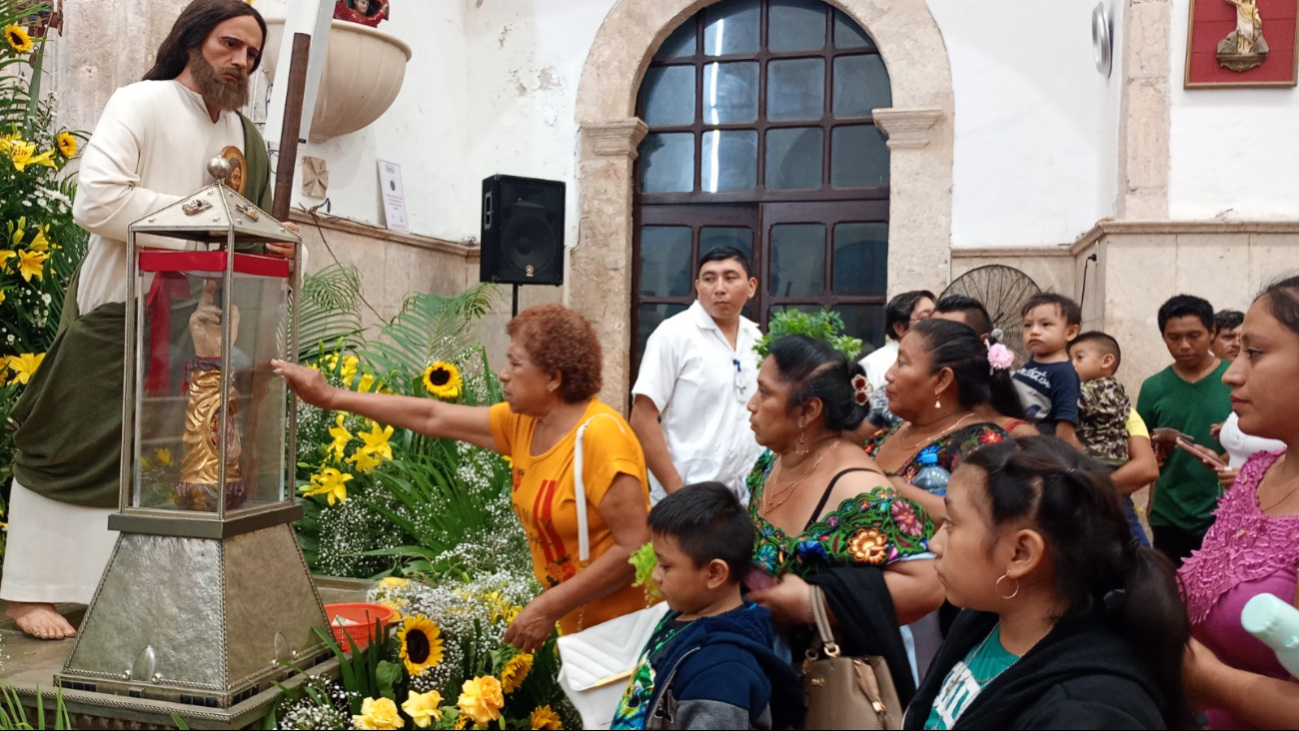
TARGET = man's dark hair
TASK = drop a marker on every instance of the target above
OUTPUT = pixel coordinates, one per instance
(976, 315)
(723, 253)
(708, 523)
(1228, 319)
(1186, 305)
(1069, 310)
(195, 24)
(1104, 341)
(899, 309)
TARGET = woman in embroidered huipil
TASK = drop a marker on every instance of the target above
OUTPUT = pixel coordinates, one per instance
(944, 374)
(1253, 546)
(825, 513)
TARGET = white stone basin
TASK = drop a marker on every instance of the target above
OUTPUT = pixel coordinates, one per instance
(361, 77)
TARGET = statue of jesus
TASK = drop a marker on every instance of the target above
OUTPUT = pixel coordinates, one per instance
(1244, 48)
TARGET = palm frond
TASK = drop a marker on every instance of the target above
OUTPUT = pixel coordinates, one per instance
(331, 310)
(428, 325)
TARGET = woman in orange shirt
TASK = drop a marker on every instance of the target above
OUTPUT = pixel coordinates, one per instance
(550, 378)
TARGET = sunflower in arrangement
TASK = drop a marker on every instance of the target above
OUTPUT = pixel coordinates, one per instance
(443, 380)
(421, 644)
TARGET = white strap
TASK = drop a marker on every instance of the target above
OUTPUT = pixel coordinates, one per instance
(579, 485)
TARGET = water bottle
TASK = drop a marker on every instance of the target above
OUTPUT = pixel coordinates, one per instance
(1276, 624)
(931, 477)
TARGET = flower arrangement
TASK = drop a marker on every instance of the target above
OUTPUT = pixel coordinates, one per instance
(40, 246)
(447, 667)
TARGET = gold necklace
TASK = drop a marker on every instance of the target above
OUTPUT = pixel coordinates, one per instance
(939, 435)
(767, 507)
(1276, 466)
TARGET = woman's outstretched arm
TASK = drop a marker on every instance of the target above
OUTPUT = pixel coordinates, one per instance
(426, 416)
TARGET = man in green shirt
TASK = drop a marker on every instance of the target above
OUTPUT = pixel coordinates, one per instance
(1187, 397)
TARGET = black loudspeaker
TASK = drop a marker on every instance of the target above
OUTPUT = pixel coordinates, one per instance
(523, 231)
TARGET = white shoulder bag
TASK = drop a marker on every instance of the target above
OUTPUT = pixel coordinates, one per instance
(598, 662)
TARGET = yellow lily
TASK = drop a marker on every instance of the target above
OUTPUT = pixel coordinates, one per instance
(39, 242)
(24, 153)
(331, 483)
(341, 437)
(5, 256)
(24, 366)
(32, 264)
(364, 461)
(376, 442)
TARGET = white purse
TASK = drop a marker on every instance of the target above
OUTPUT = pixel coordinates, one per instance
(597, 662)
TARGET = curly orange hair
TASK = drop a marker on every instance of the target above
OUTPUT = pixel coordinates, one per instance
(558, 339)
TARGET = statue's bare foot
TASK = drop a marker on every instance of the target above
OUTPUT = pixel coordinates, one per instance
(40, 620)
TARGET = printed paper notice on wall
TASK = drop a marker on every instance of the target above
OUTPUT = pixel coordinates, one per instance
(394, 197)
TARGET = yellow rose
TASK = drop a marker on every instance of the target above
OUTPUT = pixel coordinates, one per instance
(482, 700)
(423, 708)
(378, 715)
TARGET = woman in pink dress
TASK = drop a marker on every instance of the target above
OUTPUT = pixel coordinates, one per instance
(1253, 547)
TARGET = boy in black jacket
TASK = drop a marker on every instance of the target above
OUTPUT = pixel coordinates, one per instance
(709, 663)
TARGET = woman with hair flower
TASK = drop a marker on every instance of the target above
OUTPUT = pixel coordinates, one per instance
(940, 387)
(549, 381)
(825, 514)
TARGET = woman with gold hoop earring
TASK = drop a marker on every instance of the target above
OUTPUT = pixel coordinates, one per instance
(1066, 621)
(825, 514)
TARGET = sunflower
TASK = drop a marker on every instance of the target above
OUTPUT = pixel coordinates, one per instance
(66, 143)
(515, 672)
(544, 719)
(18, 39)
(442, 379)
(421, 644)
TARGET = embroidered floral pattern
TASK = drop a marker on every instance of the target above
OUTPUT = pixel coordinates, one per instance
(951, 449)
(869, 546)
(1244, 544)
(874, 528)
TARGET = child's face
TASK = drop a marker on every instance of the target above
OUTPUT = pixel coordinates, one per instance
(1046, 332)
(687, 588)
(1090, 362)
(1188, 340)
(971, 557)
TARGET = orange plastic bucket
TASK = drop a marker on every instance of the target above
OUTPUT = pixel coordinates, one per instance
(363, 614)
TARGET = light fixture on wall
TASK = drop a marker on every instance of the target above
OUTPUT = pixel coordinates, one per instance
(1102, 40)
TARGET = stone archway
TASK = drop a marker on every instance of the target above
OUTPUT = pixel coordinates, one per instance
(919, 126)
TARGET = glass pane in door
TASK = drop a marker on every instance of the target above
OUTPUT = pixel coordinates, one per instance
(730, 93)
(729, 160)
(796, 89)
(861, 252)
(865, 322)
(861, 83)
(859, 157)
(651, 316)
(668, 96)
(665, 264)
(731, 26)
(667, 163)
(797, 260)
(796, 25)
(713, 237)
(794, 157)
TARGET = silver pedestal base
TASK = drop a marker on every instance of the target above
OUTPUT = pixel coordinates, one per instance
(198, 621)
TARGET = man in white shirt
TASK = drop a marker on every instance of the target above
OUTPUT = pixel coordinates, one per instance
(902, 312)
(149, 150)
(697, 374)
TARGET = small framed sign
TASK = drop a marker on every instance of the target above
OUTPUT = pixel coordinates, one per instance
(394, 197)
(1243, 43)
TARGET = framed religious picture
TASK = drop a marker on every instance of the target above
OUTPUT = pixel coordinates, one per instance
(1246, 43)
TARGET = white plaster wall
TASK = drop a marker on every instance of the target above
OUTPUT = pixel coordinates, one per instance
(1232, 151)
(492, 88)
(1036, 125)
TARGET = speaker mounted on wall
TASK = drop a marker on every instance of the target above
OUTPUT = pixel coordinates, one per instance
(523, 231)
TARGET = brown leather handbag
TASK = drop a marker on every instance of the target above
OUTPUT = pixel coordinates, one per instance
(846, 692)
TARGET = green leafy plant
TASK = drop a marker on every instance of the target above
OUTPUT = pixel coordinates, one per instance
(14, 716)
(825, 325)
(40, 245)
